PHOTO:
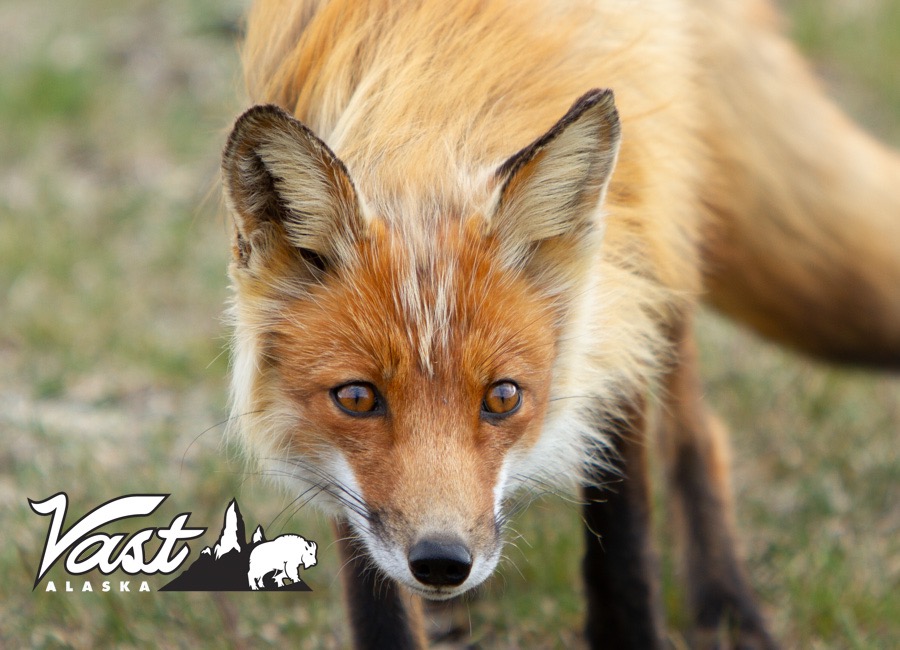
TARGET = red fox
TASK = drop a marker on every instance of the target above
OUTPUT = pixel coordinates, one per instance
(469, 238)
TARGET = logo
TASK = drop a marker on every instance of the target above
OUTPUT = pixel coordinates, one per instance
(231, 564)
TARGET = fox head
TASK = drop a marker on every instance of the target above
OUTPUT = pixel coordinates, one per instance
(407, 382)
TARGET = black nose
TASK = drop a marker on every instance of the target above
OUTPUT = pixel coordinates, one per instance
(440, 563)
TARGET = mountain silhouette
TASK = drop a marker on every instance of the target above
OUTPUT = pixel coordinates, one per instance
(232, 535)
(258, 536)
(224, 567)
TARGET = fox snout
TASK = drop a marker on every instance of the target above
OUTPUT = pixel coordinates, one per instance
(435, 565)
(435, 530)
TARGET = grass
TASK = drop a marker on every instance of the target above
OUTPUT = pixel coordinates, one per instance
(112, 277)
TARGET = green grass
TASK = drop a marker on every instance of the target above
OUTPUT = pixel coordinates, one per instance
(112, 280)
(856, 46)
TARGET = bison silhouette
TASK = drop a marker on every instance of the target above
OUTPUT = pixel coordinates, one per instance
(283, 556)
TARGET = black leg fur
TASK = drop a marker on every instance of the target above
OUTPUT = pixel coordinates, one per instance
(380, 611)
(623, 602)
(725, 611)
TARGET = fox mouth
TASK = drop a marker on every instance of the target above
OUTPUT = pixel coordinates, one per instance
(445, 592)
(435, 593)
(432, 570)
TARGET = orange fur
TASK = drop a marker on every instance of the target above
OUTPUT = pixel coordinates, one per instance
(803, 215)
(432, 448)
(387, 233)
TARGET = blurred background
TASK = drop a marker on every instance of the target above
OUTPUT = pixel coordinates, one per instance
(113, 358)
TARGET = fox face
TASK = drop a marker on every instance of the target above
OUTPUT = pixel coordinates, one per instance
(399, 368)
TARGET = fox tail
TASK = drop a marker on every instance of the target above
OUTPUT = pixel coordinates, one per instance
(804, 237)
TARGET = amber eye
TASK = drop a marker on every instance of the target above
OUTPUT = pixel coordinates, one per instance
(357, 399)
(502, 398)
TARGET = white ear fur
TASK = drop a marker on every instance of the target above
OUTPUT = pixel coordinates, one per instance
(550, 192)
(283, 183)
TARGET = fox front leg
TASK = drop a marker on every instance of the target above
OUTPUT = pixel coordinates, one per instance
(382, 614)
(624, 608)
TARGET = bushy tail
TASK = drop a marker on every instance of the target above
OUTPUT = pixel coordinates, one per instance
(804, 238)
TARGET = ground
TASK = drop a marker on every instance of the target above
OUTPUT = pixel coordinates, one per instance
(113, 358)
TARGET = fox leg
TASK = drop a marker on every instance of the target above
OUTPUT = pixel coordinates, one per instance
(620, 572)
(382, 614)
(722, 602)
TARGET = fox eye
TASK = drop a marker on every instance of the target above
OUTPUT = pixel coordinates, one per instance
(502, 398)
(357, 399)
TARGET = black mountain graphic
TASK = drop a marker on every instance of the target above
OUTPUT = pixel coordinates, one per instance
(224, 567)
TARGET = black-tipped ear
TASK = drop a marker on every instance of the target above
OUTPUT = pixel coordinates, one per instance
(287, 192)
(551, 190)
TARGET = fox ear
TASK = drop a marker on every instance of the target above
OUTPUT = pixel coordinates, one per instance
(551, 190)
(290, 196)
